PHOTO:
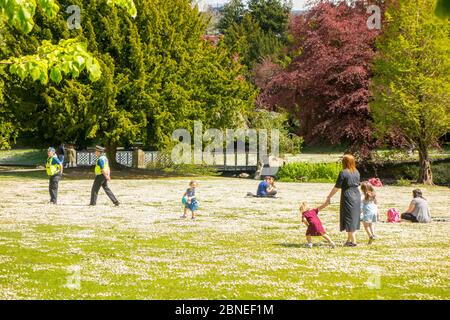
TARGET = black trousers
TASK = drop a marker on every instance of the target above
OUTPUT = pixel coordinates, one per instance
(53, 187)
(408, 216)
(100, 181)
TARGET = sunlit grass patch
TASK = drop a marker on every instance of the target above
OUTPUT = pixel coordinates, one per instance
(238, 248)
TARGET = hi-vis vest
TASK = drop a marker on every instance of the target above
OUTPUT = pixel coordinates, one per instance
(52, 169)
(98, 170)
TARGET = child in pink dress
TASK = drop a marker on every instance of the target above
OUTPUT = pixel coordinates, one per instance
(310, 217)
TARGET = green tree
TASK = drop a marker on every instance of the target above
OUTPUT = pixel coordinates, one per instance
(250, 42)
(189, 79)
(33, 56)
(231, 13)
(411, 86)
(157, 75)
(272, 15)
(257, 32)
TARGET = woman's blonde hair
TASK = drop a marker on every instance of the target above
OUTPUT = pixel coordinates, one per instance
(369, 192)
(349, 162)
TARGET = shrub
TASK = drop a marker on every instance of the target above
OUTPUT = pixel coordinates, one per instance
(441, 173)
(163, 162)
(289, 142)
(403, 182)
(313, 172)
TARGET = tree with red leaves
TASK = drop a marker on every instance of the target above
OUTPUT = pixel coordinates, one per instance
(326, 85)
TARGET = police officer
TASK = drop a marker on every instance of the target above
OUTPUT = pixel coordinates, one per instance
(54, 170)
(102, 176)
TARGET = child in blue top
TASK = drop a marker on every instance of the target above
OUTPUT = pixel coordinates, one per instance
(369, 209)
(189, 200)
(267, 188)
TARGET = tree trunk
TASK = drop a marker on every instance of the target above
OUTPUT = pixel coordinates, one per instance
(425, 174)
(111, 150)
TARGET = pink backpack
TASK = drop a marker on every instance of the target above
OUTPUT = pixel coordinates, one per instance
(376, 182)
(393, 216)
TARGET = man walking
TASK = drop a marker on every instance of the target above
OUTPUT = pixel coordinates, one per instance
(54, 170)
(102, 176)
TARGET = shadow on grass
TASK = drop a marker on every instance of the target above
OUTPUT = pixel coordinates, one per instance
(290, 245)
(85, 173)
(300, 245)
(22, 174)
(32, 157)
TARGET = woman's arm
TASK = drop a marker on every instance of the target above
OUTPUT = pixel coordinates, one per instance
(324, 205)
(332, 193)
(411, 208)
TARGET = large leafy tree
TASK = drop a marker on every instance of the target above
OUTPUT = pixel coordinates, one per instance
(272, 15)
(157, 75)
(255, 31)
(32, 57)
(189, 79)
(412, 77)
(326, 86)
(231, 13)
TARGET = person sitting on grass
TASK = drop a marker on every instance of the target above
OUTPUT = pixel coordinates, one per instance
(369, 209)
(310, 218)
(189, 200)
(418, 209)
(267, 187)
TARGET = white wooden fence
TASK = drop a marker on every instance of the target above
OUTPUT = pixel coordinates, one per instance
(225, 162)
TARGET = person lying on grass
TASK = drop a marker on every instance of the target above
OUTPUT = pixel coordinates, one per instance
(310, 218)
(189, 200)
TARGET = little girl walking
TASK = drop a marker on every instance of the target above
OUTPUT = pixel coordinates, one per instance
(369, 209)
(311, 219)
(189, 200)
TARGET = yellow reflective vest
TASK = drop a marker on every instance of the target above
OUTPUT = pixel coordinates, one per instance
(52, 169)
(98, 170)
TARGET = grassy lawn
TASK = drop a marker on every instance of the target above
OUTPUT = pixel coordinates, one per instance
(239, 248)
(24, 157)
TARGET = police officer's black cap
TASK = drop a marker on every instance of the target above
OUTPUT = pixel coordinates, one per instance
(99, 148)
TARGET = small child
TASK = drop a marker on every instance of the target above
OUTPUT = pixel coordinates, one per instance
(369, 209)
(189, 200)
(311, 219)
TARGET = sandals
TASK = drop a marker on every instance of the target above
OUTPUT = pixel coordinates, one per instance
(350, 244)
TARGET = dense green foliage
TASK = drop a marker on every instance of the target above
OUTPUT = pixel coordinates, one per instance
(35, 60)
(158, 75)
(312, 172)
(256, 31)
(443, 9)
(289, 143)
(411, 86)
(408, 172)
